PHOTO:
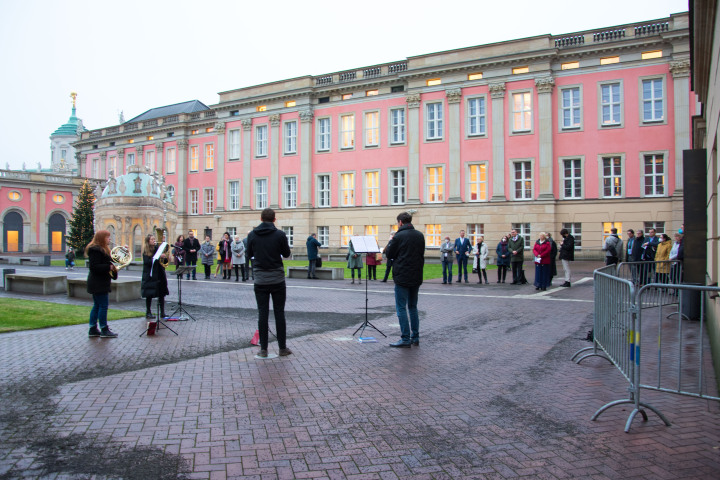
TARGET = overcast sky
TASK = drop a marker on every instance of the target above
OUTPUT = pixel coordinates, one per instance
(133, 55)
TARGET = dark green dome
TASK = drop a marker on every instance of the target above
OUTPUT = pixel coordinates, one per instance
(71, 127)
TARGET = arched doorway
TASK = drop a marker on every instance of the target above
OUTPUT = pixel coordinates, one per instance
(56, 233)
(13, 232)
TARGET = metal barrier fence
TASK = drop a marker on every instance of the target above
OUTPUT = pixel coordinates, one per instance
(682, 366)
(667, 272)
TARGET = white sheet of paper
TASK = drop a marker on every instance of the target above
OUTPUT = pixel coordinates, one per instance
(365, 244)
(159, 252)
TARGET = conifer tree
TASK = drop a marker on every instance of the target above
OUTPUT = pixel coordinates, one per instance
(81, 223)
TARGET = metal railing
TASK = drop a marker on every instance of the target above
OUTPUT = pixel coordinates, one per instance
(667, 272)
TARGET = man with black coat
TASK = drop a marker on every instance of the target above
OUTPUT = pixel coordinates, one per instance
(267, 244)
(407, 248)
(567, 254)
(191, 245)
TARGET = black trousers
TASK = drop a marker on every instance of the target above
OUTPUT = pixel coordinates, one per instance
(161, 302)
(263, 293)
(388, 269)
(516, 271)
(372, 272)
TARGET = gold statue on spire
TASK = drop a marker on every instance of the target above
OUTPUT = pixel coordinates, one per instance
(73, 95)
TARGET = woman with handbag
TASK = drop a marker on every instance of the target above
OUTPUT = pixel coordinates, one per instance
(354, 262)
(207, 256)
(101, 271)
(154, 281)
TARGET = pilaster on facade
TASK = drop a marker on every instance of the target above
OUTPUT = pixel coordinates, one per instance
(680, 71)
(274, 161)
(497, 95)
(182, 146)
(247, 179)
(454, 95)
(413, 181)
(220, 166)
(545, 86)
(306, 177)
(159, 156)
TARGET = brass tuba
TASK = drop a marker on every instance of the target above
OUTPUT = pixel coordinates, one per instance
(164, 261)
(121, 257)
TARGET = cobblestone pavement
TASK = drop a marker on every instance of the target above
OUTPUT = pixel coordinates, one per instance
(490, 393)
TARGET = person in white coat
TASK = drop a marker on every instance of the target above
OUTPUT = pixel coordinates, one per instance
(481, 254)
(238, 258)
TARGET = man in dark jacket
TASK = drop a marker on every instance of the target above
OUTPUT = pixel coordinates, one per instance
(312, 246)
(516, 245)
(191, 245)
(267, 244)
(407, 248)
(567, 254)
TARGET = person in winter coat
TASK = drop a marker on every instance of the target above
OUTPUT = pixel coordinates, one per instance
(354, 261)
(407, 248)
(481, 254)
(154, 281)
(503, 258)
(312, 244)
(389, 263)
(191, 245)
(447, 249)
(567, 254)
(178, 252)
(207, 256)
(662, 254)
(238, 258)
(676, 255)
(101, 271)
(613, 248)
(373, 260)
(541, 251)
(553, 257)
(267, 246)
(226, 255)
(516, 244)
(70, 260)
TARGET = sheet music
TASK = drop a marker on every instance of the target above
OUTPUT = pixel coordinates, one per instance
(159, 252)
(365, 244)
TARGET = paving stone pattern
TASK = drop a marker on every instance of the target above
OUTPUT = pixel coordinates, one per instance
(490, 393)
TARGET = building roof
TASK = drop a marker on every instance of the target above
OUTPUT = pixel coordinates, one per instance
(184, 107)
(73, 127)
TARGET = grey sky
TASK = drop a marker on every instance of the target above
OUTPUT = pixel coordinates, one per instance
(133, 55)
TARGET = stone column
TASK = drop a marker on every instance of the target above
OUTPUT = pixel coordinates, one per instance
(453, 179)
(34, 193)
(81, 159)
(274, 183)
(42, 220)
(545, 86)
(181, 192)
(159, 151)
(497, 94)
(306, 174)
(220, 166)
(247, 180)
(121, 162)
(103, 165)
(680, 71)
(413, 137)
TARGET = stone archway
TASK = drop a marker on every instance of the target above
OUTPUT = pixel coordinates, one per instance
(56, 233)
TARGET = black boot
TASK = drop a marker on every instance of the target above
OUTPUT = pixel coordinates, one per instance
(485, 276)
(161, 302)
(237, 274)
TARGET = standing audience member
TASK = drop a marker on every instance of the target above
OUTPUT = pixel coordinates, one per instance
(462, 249)
(649, 249)
(267, 245)
(633, 254)
(238, 258)
(613, 248)
(541, 251)
(408, 250)
(178, 252)
(389, 261)
(354, 262)
(676, 255)
(207, 256)
(219, 260)
(248, 261)
(567, 254)
(553, 257)
(662, 255)
(312, 244)
(503, 258)
(191, 245)
(154, 281)
(101, 271)
(516, 244)
(481, 253)
(226, 255)
(373, 260)
(446, 258)
(641, 257)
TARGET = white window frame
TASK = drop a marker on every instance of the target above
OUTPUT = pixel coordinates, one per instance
(347, 132)
(575, 229)
(513, 180)
(150, 160)
(196, 149)
(664, 175)
(612, 105)
(434, 127)
(659, 227)
(209, 155)
(524, 230)
(193, 201)
(130, 160)
(400, 190)
(342, 200)
(234, 144)
(371, 193)
(261, 141)
(476, 124)
(346, 233)
(528, 128)
(433, 235)
(208, 200)
(643, 100)
(438, 184)
(324, 138)
(563, 178)
(478, 183)
(323, 190)
(371, 132)
(562, 108)
(473, 231)
(397, 133)
(290, 131)
(607, 226)
(290, 191)
(323, 235)
(290, 234)
(372, 230)
(234, 195)
(261, 194)
(170, 160)
(601, 174)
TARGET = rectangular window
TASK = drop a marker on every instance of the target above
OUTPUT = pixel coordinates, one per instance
(435, 185)
(659, 227)
(477, 179)
(290, 192)
(261, 139)
(572, 178)
(346, 232)
(234, 195)
(372, 129)
(654, 175)
(150, 160)
(323, 135)
(347, 189)
(521, 112)
(611, 104)
(474, 230)
(112, 165)
(234, 145)
(523, 230)
(290, 138)
(324, 236)
(397, 187)
(571, 108)
(193, 202)
(606, 230)
(130, 159)
(371, 230)
(209, 200)
(96, 168)
(261, 193)
(194, 158)
(397, 125)
(323, 190)
(612, 177)
(170, 160)
(653, 101)
(575, 229)
(433, 121)
(523, 180)
(289, 233)
(209, 156)
(232, 231)
(347, 131)
(372, 188)
(432, 235)
(476, 116)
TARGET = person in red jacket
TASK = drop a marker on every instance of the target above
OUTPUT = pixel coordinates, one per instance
(541, 252)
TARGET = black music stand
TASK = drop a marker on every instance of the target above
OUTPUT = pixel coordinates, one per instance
(180, 271)
(366, 245)
(159, 322)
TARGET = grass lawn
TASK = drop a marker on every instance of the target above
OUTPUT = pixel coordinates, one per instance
(21, 314)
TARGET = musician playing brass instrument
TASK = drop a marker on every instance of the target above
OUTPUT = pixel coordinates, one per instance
(154, 282)
(101, 270)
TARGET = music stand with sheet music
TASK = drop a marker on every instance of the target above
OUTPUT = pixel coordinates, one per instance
(180, 271)
(366, 244)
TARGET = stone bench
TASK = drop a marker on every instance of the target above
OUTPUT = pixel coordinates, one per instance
(323, 273)
(42, 283)
(123, 289)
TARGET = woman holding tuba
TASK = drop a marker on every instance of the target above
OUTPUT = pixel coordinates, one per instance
(154, 282)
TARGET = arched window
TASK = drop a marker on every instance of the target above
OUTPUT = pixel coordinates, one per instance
(171, 191)
(13, 232)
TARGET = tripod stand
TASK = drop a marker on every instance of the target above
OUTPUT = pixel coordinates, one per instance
(367, 323)
(155, 326)
(184, 314)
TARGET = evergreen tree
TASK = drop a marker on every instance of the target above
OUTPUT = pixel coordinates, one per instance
(81, 223)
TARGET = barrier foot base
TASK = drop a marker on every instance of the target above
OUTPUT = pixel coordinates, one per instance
(635, 411)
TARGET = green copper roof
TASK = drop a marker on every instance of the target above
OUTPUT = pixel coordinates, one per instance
(70, 128)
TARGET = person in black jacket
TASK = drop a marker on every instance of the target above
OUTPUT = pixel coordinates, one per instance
(267, 245)
(407, 248)
(191, 245)
(154, 281)
(101, 271)
(567, 254)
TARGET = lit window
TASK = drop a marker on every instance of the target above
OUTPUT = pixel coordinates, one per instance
(570, 65)
(131, 141)
(290, 103)
(606, 229)
(434, 121)
(570, 108)
(347, 131)
(478, 182)
(346, 232)
(347, 189)
(521, 112)
(475, 76)
(323, 190)
(474, 230)
(347, 96)
(372, 129)
(209, 200)
(323, 135)
(652, 54)
(193, 202)
(653, 101)
(612, 177)
(14, 196)
(261, 108)
(609, 60)
(433, 81)
(209, 156)
(290, 137)
(476, 116)
(170, 159)
(611, 104)
(435, 186)
(371, 230)
(194, 132)
(194, 158)
(432, 235)
(518, 70)
(209, 130)
(371, 93)
(261, 141)
(654, 175)
(572, 178)
(290, 193)
(397, 187)
(397, 125)
(261, 193)
(372, 188)
(150, 137)
(522, 180)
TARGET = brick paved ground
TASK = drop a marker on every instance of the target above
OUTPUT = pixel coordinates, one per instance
(490, 393)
